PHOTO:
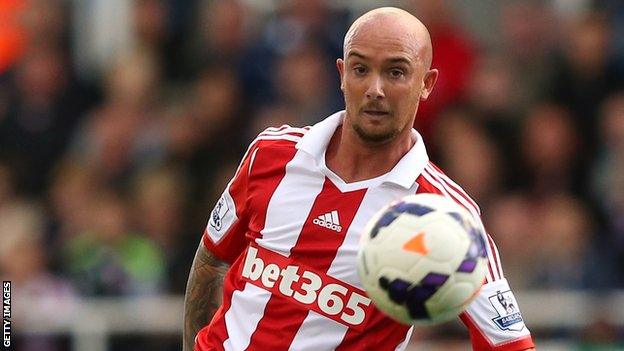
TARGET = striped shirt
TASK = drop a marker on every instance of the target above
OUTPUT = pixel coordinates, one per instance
(290, 227)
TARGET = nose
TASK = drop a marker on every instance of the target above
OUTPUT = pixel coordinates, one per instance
(375, 88)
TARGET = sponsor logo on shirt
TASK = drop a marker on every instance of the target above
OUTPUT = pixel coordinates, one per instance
(509, 317)
(329, 220)
(307, 287)
(218, 213)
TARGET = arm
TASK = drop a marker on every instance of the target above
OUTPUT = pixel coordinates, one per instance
(203, 293)
(493, 318)
(222, 242)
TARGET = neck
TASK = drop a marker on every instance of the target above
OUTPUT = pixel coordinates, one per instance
(353, 159)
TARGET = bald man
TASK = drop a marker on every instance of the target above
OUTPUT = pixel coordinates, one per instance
(276, 266)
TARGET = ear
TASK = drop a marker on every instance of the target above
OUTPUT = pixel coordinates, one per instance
(341, 70)
(428, 82)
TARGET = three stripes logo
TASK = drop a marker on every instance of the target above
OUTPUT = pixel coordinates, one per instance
(329, 220)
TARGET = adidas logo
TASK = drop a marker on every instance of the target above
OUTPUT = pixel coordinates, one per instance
(329, 220)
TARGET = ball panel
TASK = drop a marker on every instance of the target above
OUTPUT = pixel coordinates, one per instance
(443, 238)
(452, 301)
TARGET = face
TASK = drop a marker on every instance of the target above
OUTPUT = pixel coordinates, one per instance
(383, 77)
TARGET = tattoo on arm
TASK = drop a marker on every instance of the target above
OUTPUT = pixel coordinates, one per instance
(203, 293)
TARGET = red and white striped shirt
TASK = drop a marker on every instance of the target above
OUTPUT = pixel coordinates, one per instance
(290, 227)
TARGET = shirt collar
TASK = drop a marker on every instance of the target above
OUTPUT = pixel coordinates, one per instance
(404, 173)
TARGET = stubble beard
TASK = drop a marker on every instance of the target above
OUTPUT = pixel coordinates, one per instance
(375, 138)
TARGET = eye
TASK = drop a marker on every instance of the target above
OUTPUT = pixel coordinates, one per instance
(396, 73)
(359, 70)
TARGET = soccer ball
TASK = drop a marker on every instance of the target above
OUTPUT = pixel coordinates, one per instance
(422, 259)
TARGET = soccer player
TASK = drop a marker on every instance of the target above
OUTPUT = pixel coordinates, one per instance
(289, 222)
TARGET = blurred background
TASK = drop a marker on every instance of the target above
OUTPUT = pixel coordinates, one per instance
(121, 121)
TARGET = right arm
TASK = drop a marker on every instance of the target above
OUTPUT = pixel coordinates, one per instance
(203, 293)
(223, 240)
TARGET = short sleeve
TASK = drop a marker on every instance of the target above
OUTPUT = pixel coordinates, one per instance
(494, 320)
(225, 232)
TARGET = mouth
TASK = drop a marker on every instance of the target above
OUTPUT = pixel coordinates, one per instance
(376, 113)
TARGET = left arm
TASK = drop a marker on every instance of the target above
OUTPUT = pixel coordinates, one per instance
(493, 318)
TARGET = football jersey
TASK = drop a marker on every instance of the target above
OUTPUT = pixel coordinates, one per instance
(290, 228)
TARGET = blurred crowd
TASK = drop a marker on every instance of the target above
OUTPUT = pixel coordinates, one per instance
(122, 121)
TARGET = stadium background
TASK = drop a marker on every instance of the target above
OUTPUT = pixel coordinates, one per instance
(122, 120)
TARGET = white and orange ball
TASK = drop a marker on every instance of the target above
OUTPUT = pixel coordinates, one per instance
(422, 259)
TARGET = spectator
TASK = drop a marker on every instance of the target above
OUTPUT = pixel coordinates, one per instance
(71, 192)
(528, 38)
(215, 127)
(110, 259)
(158, 211)
(122, 127)
(153, 30)
(223, 28)
(549, 147)
(43, 297)
(302, 82)
(468, 154)
(510, 219)
(607, 182)
(562, 254)
(608, 185)
(454, 56)
(585, 75)
(40, 116)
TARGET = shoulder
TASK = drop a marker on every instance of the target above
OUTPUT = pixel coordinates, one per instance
(275, 146)
(434, 180)
(278, 137)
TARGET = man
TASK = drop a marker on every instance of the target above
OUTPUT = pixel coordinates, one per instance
(267, 226)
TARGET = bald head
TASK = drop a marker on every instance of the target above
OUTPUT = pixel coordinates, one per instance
(385, 74)
(394, 23)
